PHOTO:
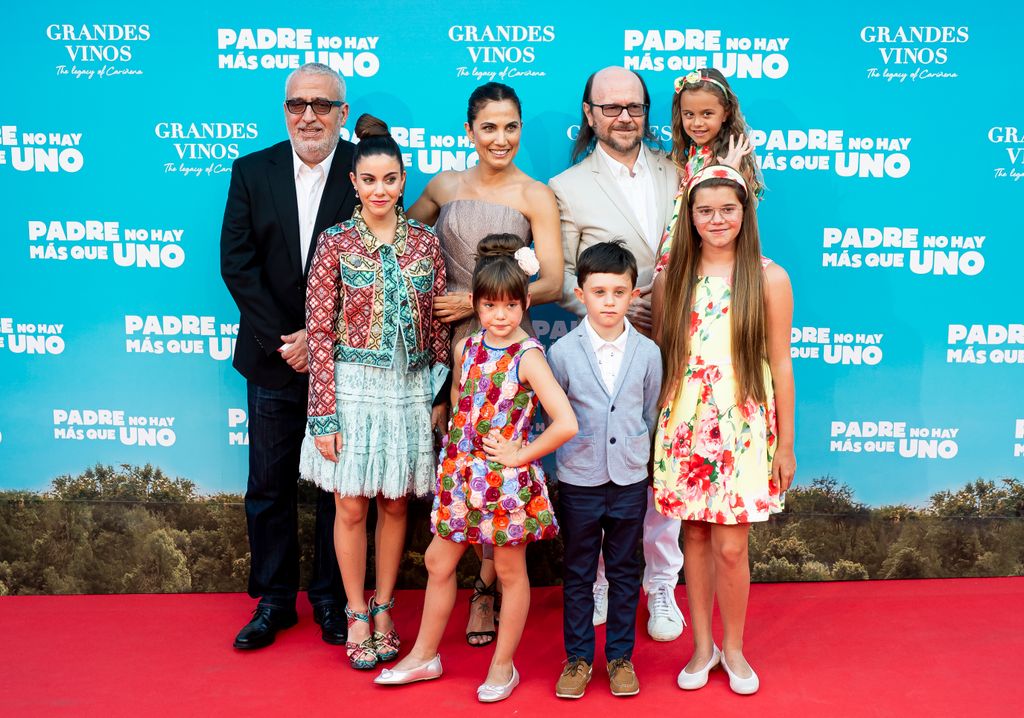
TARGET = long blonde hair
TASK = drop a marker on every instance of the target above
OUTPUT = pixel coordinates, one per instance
(747, 312)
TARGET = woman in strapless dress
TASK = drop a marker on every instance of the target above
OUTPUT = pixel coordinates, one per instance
(494, 196)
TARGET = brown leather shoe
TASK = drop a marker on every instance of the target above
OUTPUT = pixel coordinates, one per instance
(574, 679)
(622, 678)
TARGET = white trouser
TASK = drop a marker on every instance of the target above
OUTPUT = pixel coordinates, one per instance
(663, 558)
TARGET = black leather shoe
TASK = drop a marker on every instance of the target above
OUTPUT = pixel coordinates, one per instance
(333, 625)
(266, 622)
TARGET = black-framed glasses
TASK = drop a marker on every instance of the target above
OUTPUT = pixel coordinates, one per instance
(635, 109)
(320, 106)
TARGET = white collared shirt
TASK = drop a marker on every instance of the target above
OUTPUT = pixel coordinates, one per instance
(309, 188)
(637, 185)
(609, 353)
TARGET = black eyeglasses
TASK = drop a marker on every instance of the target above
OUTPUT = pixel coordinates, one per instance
(634, 109)
(320, 107)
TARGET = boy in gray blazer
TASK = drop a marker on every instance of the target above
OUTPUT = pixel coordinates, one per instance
(612, 376)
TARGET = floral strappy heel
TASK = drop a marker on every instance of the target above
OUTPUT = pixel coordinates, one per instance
(362, 656)
(386, 644)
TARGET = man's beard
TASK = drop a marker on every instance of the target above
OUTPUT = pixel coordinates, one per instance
(315, 148)
(616, 144)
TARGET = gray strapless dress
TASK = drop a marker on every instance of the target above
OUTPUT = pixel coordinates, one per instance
(461, 224)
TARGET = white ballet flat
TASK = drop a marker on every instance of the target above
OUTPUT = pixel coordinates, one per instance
(427, 672)
(743, 686)
(487, 693)
(693, 681)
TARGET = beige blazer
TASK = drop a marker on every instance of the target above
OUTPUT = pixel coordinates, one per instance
(593, 210)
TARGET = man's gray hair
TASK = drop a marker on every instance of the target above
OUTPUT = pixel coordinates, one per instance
(317, 68)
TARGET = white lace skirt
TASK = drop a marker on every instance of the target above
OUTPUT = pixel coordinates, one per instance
(387, 446)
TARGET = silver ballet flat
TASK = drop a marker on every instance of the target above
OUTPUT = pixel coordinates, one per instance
(487, 693)
(427, 672)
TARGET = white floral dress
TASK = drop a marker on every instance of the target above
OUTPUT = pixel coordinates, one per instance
(713, 457)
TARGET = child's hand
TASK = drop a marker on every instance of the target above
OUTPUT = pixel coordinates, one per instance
(329, 446)
(502, 450)
(738, 149)
(783, 469)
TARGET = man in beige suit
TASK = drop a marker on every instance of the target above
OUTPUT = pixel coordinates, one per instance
(623, 190)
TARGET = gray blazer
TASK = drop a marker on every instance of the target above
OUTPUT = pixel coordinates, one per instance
(593, 209)
(617, 428)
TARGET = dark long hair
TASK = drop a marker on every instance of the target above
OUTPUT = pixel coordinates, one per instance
(586, 139)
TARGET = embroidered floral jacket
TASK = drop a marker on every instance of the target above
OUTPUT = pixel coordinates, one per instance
(360, 294)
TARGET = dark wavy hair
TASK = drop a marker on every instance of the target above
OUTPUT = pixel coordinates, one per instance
(586, 139)
(734, 124)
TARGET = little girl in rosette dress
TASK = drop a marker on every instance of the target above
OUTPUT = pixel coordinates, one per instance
(490, 484)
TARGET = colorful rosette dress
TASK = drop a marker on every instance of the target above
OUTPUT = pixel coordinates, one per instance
(713, 457)
(480, 501)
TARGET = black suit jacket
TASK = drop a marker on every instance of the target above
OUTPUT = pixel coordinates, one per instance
(261, 257)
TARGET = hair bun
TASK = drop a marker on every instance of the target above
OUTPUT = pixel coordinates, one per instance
(369, 126)
(497, 245)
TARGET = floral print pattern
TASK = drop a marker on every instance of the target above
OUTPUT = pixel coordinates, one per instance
(698, 159)
(480, 501)
(712, 456)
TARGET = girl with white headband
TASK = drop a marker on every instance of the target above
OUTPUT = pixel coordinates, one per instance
(723, 450)
(707, 128)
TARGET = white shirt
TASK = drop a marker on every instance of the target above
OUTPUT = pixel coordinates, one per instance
(638, 187)
(309, 188)
(609, 353)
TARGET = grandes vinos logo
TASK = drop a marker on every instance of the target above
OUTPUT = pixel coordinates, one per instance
(196, 149)
(913, 52)
(1010, 141)
(97, 51)
(501, 52)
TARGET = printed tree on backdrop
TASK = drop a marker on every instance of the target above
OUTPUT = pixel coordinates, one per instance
(134, 529)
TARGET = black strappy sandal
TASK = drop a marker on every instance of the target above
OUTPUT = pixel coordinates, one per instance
(480, 589)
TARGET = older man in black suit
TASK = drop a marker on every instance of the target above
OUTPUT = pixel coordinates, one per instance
(280, 199)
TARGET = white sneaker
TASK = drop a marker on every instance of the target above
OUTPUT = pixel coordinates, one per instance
(666, 622)
(600, 603)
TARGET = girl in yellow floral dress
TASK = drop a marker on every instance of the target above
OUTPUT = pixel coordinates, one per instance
(724, 447)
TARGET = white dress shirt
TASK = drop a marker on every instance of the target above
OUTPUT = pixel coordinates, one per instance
(637, 185)
(609, 353)
(309, 188)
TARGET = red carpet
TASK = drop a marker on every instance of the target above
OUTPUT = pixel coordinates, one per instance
(908, 648)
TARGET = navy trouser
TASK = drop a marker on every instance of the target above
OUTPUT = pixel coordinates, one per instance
(584, 513)
(277, 423)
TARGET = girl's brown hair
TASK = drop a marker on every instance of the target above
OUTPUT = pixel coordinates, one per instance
(733, 125)
(497, 274)
(746, 304)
